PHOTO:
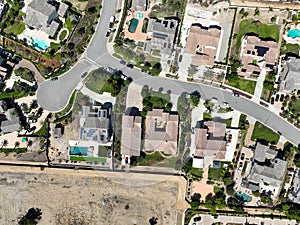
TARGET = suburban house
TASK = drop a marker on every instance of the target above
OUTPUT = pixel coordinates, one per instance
(161, 132)
(11, 122)
(43, 15)
(203, 43)
(162, 36)
(210, 144)
(94, 124)
(139, 5)
(131, 138)
(94, 132)
(257, 54)
(267, 171)
(294, 195)
(290, 75)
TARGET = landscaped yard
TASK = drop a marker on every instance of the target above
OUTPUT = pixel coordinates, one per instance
(150, 159)
(290, 48)
(196, 173)
(214, 173)
(262, 30)
(168, 8)
(295, 105)
(87, 159)
(63, 35)
(262, 132)
(25, 73)
(17, 28)
(242, 84)
(268, 86)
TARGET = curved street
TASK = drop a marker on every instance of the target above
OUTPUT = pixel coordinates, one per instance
(54, 95)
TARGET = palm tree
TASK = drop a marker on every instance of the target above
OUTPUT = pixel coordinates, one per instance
(4, 143)
(17, 144)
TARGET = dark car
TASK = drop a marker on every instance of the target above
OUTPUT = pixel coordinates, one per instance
(84, 74)
(17, 58)
(107, 33)
(54, 78)
(277, 98)
(279, 132)
(281, 98)
(130, 65)
(126, 160)
(272, 100)
(123, 62)
(274, 91)
(242, 156)
(198, 218)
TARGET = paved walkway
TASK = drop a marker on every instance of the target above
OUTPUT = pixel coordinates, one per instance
(202, 187)
(29, 65)
(248, 141)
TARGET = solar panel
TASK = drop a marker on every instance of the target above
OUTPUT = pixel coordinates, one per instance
(160, 36)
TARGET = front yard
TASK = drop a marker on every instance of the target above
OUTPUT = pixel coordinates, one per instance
(261, 132)
(240, 83)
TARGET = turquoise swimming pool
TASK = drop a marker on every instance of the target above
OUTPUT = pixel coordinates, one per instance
(294, 33)
(244, 197)
(139, 15)
(40, 44)
(77, 150)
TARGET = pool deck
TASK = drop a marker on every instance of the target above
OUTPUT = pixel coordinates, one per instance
(87, 144)
(138, 35)
(290, 40)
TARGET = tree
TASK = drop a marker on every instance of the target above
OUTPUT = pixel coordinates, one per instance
(256, 13)
(32, 217)
(195, 98)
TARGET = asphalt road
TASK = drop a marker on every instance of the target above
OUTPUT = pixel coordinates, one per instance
(54, 95)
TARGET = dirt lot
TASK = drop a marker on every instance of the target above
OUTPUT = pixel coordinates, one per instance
(86, 197)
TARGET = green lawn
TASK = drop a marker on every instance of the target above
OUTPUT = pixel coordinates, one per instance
(42, 131)
(68, 24)
(242, 84)
(262, 132)
(63, 35)
(54, 46)
(87, 159)
(262, 30)
(25, 73)
(15, 150)
(17, 28)
(291, 48)
(295, 105)
(196, 173)
(150, 159)
(102, 151)
(267, 91)
(214, 173)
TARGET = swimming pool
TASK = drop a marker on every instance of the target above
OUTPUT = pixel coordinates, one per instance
(40, 44)
(244, 197)
(294, 33)
(139, 15)
(133, 25)
(77, 150)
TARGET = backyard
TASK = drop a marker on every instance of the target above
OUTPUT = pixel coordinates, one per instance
(290, 49)
(168, 8)
(251, 26)
(240, 83)
(87, 159)
(261, 132)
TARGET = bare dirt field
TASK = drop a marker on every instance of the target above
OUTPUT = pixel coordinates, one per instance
(86, 197)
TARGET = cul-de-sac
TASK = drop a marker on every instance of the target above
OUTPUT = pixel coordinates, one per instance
(149, 112)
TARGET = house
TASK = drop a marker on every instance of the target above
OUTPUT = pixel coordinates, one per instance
(131, 135)
(94, 124)
(210, 144)
(163, 36)
(257, 54)
(290, 75)
(203, 43)
(43, 15)
(139, 5)
(11, 122)
(3, 5)
(294, 195)
(267, 172)
(161, 132)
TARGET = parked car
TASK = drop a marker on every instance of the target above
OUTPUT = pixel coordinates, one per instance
(277, 97)
(123, 62)
(274, 91)
(198, 218)
(130, 65)
(272, 100)
(240, 166)
(281, 97)
(193, 130)
(107, 33)
(54, 78)
(234, 94)
(242, 156)
(279, 132)
(84, 74)
(229, 137)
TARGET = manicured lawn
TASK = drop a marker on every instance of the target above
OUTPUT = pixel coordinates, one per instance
(15, 150)
(87, 159)
(242, 84)
(145, 25)
(17, 28)
(102, 152)
(292, 48)
(63, 35)
(262, 30)
(42, 131)
(196, 173)
(68, 24)
(262, 132)
(295, 105)
(214, 173)
(150, 159)
(54, 46)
